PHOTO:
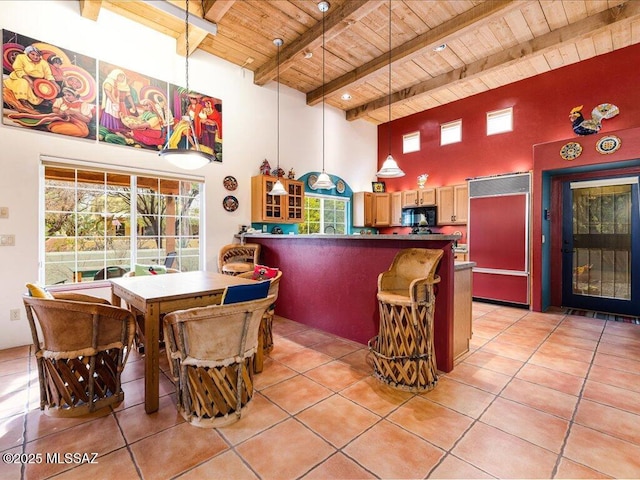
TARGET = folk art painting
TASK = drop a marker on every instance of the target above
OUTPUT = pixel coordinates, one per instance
(205, 113)
(133, 108)
(48, 88)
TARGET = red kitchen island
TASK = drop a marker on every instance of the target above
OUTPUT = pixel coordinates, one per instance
(330, 282)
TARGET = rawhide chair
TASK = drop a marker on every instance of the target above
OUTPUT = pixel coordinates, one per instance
(265, 335)
(82, 344)
(235, 258)
(210, 351)
(403, 353)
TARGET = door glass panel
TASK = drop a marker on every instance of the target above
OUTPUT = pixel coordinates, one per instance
(602, 241)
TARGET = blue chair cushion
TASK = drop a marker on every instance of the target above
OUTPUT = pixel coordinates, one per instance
(244, 293)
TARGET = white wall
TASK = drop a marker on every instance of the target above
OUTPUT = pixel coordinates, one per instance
(249, 136)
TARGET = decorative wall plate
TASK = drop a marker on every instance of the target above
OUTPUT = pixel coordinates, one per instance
(608, 144)
(340, 186)
(230, 183)
(311, 181)
(571, 150)
(230, 203)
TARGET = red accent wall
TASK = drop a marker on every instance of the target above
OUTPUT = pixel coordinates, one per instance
(541, 116)
(541, 108)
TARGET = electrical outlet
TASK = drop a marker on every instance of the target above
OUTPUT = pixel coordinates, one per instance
(14, 314)
(7, 240)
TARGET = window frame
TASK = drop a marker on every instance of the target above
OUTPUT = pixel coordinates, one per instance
(322, 197)
(499, 115)
(134, 237)
(408, 140)
(454, 125)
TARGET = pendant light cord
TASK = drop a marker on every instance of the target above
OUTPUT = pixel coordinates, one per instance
(389, 127)
(323, 48)
(186, 34)
(278, 115)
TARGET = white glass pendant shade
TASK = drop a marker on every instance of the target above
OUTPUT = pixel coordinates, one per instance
(186, 159)
(278, 189)
(324, 181)
(390, 169)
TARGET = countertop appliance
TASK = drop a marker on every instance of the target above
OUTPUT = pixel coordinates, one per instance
(498, 237)
(424, 217)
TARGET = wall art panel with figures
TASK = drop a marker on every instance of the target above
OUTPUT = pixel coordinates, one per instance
(47, 87)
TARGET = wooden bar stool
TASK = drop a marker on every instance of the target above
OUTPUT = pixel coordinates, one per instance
(403, 352)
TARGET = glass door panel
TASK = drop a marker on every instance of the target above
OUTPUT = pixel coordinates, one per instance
(600, 222)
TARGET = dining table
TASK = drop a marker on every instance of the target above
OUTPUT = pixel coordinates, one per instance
(156, 295)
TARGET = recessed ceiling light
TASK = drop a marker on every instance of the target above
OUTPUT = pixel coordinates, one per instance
(346, 96)
(308, 55)
(439, 48)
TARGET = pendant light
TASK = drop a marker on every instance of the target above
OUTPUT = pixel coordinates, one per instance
(278, 188)
(324, 180)
(390, 168)
(185, 157)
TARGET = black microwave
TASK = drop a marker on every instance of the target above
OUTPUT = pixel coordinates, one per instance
(419, 217)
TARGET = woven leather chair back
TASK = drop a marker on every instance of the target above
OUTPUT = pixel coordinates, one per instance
(81, 348)
(248, 253)
(210, 351)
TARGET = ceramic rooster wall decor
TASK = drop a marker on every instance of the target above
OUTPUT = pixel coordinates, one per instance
(583, 126)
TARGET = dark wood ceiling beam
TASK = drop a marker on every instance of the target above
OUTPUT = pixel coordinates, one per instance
(214, 10)
(438, 35)
(619, 15)
(90, 9)
(335, 23)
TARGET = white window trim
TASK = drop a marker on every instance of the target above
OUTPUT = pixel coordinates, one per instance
(496, 115)
(411, 142)
(48, 160)
(454, 126)
(347, 202)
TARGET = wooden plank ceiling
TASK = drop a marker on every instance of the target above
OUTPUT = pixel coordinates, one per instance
(488, 44)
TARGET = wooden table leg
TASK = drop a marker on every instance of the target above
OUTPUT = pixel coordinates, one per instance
(152, 358)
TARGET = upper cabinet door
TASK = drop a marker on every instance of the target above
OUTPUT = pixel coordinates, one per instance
(419, 198)
(453, 204)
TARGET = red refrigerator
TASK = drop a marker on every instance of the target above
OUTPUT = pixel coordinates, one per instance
(498, 238)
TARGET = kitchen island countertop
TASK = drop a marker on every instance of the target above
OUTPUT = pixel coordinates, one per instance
(328, 236)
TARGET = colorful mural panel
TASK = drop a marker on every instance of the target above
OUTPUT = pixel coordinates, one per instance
(133, 108)
(204, 112)
(47, 88)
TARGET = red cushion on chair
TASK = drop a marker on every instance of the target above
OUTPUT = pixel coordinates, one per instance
(262, 272)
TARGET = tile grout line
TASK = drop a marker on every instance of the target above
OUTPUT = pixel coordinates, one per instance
(23, 466)
(575, 409)
(476, 420)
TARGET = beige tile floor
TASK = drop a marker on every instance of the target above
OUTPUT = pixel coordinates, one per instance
(538, 396)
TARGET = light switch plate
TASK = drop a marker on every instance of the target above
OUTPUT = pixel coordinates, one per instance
(4, 212)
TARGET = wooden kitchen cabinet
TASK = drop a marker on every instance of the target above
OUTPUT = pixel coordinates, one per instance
(419, 198)
(396, 208)
(362, 209)
(371, 209)
(381, 210)
(453, 204)
(462, 311)
(267, 208)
